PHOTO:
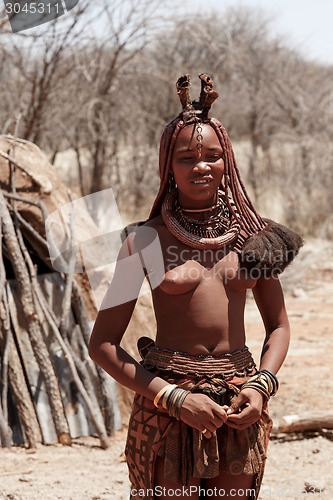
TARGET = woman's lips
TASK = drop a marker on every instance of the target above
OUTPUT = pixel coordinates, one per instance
(201, 181)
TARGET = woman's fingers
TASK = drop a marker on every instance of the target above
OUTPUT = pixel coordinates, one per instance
(206, 433)
(218, 418)
(245, 409)
(217, 421)
(237, 403)
(202, 413)
(248, 416)
(245, 414)
(244, 419)
(220, 414)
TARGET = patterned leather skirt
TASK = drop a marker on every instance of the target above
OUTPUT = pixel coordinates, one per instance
(152, 432)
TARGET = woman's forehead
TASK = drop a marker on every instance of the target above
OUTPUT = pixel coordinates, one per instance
(188, 136)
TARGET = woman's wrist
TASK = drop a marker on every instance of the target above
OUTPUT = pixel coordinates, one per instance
(171, 398)
(165, 391)
(264, 382)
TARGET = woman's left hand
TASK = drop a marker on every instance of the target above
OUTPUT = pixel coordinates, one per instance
(252, 402)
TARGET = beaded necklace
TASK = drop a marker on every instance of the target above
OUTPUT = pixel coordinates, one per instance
(216, 219)
(222, 228)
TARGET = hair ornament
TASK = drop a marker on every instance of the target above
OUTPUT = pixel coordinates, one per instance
(196, 110)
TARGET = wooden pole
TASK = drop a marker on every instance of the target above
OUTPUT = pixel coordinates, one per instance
(5, 431)
(304, 422)
(24, 404)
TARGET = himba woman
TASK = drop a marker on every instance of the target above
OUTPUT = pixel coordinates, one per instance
(199, 421)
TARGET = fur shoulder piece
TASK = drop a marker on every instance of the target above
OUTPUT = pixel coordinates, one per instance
(270, 251)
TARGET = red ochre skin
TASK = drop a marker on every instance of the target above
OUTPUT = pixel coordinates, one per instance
(199, 304)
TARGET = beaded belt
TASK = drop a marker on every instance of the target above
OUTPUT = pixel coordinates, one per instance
(238, 363)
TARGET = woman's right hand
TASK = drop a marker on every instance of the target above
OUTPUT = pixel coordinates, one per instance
(201, 412)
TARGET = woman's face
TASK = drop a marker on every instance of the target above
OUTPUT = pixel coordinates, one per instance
(197, 174)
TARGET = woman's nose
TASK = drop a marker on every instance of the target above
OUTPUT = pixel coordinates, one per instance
(202, 166)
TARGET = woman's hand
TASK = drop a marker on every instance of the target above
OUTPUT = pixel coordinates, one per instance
(201, 412)
(251, 412)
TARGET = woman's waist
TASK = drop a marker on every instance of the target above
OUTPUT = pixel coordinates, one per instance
(238, 363)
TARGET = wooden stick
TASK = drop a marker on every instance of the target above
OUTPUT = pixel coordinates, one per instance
(81, 317)
(5, 357)
(21, 198)
(66, 302)
(2, 266)
(5, 431)
(29, 227)
(304, 422)
(24, 404)
(44, 184)
(80, 311)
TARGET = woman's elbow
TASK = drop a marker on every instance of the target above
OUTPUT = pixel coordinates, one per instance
(101, 350)
(95, 346)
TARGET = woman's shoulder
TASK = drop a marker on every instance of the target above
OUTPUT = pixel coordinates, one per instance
(155, 223)
(141, 234)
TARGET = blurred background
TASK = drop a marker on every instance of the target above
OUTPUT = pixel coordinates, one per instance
(95, 88)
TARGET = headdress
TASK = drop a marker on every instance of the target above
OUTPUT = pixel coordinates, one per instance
(235, 195)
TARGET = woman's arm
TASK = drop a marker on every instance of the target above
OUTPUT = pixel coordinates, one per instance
(105, 350)
(113, 318)
(268, 295)
(269, 298)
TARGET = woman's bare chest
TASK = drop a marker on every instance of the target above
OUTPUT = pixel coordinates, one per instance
(186, 269)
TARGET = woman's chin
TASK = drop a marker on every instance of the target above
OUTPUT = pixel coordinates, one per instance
(205, 195)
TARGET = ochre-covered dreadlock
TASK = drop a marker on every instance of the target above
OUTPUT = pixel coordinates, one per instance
(193, 112)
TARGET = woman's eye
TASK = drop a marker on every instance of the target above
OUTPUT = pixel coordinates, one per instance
(186, 158)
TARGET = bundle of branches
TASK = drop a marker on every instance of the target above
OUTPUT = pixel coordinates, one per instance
(40, 333)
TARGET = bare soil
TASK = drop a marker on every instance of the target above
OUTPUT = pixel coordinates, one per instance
(298, 466)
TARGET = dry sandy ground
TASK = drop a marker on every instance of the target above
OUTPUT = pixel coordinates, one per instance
(299, 465)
